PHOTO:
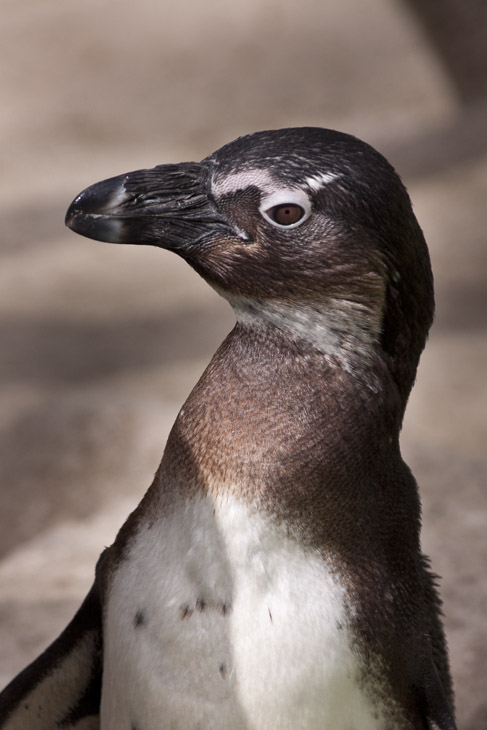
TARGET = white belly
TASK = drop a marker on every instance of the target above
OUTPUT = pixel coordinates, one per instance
(217, 621)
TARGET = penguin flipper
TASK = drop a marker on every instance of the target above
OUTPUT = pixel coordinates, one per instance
(62, 687)
(434, 706)
(435, 690)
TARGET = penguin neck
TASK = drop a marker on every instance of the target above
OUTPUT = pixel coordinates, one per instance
(268, 409)
(344, 330)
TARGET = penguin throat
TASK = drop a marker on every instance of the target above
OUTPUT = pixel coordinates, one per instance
(344, 330)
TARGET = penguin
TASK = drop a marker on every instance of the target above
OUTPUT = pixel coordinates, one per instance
(272, 576)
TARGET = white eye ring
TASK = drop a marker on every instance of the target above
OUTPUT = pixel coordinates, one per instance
(286, 197)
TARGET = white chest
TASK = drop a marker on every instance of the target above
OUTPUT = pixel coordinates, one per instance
(216, 621)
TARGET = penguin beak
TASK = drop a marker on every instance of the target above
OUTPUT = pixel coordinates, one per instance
(168, 206)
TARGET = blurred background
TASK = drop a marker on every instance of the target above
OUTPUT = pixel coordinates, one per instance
(101, 344)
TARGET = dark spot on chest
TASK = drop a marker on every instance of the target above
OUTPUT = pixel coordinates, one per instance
(185, 611)
(140, 619)
(223, 670)
(224, 608)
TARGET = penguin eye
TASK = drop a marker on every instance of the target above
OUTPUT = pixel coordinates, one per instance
(286, 208)
(286, 214)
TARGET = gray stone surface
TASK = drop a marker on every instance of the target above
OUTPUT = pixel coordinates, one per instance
(100, 344)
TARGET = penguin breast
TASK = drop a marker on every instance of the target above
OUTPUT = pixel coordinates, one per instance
(217, 619)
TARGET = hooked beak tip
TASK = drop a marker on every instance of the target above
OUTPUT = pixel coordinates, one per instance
(93, 212)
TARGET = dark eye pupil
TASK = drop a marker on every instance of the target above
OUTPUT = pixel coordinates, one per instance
(286, 214)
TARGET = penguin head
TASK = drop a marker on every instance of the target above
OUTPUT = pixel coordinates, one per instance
(307, 230)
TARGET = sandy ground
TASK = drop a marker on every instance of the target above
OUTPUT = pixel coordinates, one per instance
(101, 344)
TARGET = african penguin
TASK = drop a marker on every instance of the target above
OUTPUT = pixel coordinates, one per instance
(272, 576)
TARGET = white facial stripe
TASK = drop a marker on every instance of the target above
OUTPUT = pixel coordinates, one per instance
(272, 193)
(240, 180)
(315, 182)
(264, 181)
